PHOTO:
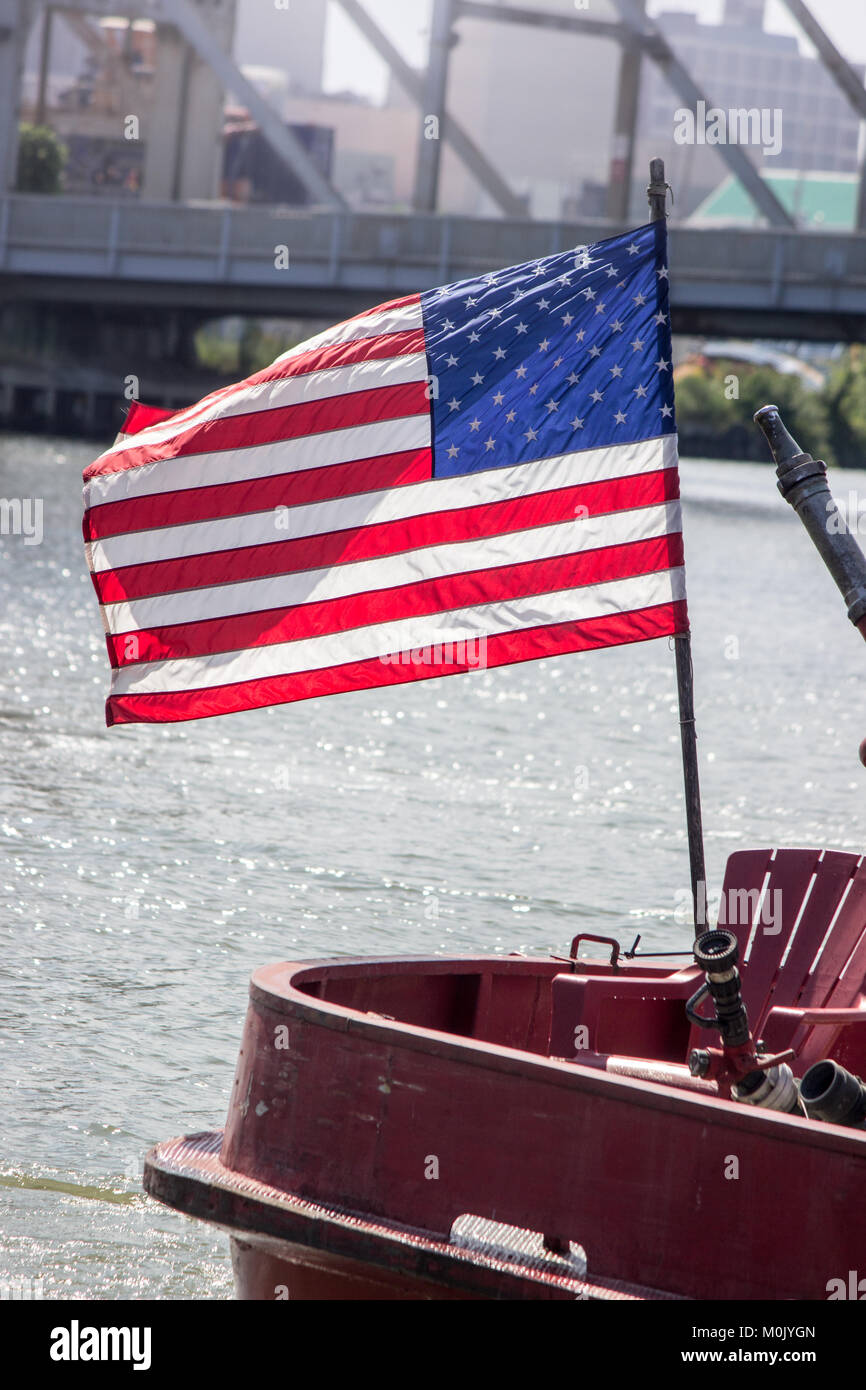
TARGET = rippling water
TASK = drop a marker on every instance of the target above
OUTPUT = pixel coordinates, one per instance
(146, 871)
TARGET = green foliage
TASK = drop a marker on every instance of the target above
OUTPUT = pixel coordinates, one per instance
(845, 398)
(41, 160)
(707, 417)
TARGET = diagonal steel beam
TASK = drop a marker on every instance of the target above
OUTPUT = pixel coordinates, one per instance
(585, 24)
(841, 69)
(283, 141)
(450, 129)
(680, 79)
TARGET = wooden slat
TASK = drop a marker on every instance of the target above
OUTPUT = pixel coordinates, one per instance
(791, 873)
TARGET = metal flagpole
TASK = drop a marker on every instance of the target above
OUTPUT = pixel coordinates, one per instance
(657, 195)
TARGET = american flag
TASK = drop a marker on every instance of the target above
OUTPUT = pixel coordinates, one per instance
(480, 474)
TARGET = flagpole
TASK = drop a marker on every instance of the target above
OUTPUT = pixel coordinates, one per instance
(657, 195)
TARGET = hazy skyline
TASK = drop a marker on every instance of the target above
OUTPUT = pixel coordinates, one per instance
(351, 64)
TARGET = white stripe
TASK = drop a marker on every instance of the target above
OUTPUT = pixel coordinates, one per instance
(391, 504)
(403, 319)
(360, 644)
(219, 404)
(325, 450)
(391, 571)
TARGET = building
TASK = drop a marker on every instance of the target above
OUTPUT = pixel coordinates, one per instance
(539, 104)
(742, 67)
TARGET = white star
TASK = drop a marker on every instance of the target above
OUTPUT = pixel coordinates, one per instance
(475, 425)
(453, 404)
(558, 362)
(640, 390)
(611, 272)
(530, 434)
(619, 418)
(595, 351)
(581, 335)
(544, 345)
(633, 250)
(491, 279)
(599, 308)
(616, 371)
(639, 299)
(520, 371)
(590, 294)
(500, 353)
(565, 280)
(666, 411)
(663, 274)
(573, 378)
(616, 326)
(511, 417)
(637, 344)
(539, 269)
(662, 364)
(496, 313)
(597, 396)
(451, 361)
(551, 406)
(470, 303)
(477, 379)
(489, 443)
(533, 389)
(521, 327)
(453, 451)
(543, 304)
(568, 320)
(474, 336)
(498, 398)
(447, 324)
(577, 423)
(660, 318)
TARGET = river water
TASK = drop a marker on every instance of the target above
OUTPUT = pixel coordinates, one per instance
(146, 871)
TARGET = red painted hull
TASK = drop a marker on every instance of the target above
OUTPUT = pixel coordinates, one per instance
(376, 1102)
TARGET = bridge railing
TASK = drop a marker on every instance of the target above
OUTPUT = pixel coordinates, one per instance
(384, 254)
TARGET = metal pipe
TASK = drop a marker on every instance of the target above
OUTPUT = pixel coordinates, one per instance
(803, 483)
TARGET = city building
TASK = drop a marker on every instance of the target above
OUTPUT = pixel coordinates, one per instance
(741, 66)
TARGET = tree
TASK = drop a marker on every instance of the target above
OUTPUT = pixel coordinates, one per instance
(41, 160)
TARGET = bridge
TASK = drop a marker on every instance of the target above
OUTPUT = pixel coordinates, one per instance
(210, 260)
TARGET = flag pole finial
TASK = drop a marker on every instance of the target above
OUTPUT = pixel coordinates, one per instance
(657, 192)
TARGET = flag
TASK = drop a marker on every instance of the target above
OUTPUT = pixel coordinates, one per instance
(475, 475)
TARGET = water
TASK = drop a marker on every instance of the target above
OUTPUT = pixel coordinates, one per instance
(145, 871)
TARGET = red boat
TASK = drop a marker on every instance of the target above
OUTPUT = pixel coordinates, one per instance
(518, 1128)
(515, 1128)
(428, 1129)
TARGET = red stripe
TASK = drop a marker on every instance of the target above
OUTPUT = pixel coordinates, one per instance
(385, 538)
(244, 431)
(140, 417)
(258, 494)
(440, 595)
(528, 645)
(403, 303)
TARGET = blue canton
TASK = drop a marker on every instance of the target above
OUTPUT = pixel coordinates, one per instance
(561, 354)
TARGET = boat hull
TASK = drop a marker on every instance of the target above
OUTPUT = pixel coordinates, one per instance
(359, 1133)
